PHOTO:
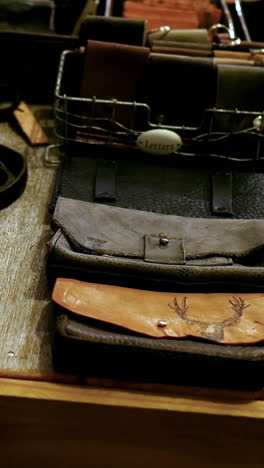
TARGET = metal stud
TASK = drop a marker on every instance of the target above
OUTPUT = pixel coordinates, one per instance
(162, 323)
(163, 241)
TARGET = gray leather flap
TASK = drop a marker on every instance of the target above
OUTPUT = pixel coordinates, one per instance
(121, 232)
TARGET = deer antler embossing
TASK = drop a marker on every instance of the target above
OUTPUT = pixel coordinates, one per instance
(182, 311)
(238, 305)
(211, 330)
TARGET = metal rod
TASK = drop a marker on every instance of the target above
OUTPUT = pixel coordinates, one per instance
(229, 19)
(242, 20)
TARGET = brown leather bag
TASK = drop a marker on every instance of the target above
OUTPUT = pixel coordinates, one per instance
(106, 331)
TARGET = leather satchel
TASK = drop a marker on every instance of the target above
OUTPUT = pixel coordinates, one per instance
(155, 224)
(106, 331)
(179, 224)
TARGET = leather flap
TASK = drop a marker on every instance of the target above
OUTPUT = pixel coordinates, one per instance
(219, 317)
(163, 249)
(108, 230)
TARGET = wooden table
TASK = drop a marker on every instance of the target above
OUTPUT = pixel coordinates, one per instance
(48, 419)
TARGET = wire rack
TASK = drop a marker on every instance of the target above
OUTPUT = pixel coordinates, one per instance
(92, 121)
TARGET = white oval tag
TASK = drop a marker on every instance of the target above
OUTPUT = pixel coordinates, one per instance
(159, 141)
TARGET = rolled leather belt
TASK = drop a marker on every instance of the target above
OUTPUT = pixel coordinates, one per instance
(13, 175)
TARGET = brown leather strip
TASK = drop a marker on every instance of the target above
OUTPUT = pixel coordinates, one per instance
(219, 317)
(220, 56)
(182, 51)
(182, 45)
(236, 55)
(231, 61)
(201, 53)
(113, 70)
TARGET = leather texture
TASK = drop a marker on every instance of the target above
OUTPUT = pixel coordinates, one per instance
(105, 245)
(123, 241)
(106, 230)
(82, 347)
(179, 102)
(113, 70)
(221, 274)
(220, 318)
(182, 45)
(162, 185)
(222, 194)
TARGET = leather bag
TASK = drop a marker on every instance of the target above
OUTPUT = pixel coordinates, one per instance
(89, 340)
(111, 216)
(176, 223)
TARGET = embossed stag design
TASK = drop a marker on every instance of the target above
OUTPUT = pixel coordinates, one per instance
(211, 330)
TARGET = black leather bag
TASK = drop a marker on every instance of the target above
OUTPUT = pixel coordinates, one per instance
(112, 215)
(171, 223)
(90, 348)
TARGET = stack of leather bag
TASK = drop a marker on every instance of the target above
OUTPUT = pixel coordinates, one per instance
(157, 260)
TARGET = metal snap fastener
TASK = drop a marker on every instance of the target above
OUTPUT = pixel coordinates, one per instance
(163, 241)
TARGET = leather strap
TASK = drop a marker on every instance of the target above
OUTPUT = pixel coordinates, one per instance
(222, 194)
(181, 51)
(13, 175)
(182, 45)
(229, 60)
(105, 182)
(113, 71)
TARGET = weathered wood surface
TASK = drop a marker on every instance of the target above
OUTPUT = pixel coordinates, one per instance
(26, 319)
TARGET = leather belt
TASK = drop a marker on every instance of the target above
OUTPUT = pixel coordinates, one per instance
(13, 175)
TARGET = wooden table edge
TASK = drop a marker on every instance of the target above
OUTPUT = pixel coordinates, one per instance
(36, 390)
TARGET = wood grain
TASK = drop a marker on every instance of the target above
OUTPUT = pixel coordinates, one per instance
(130, 398)
(26, 318)
(30, 125)
(99, 431)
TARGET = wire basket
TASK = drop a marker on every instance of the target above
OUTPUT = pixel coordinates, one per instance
(90, 121)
